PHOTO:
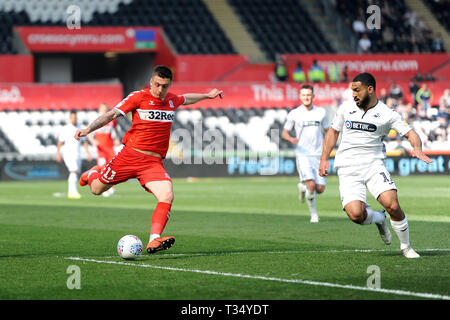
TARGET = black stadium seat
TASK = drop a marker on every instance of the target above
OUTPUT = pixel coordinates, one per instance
(279, 26)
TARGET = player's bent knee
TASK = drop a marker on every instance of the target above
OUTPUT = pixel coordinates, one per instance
(394, 208)
(98, 188)
(166, 197)
(356, 217)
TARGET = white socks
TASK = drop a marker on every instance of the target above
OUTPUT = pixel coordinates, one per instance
(154, 236)
(402, 230)
(72, 181)
(311, 201)
(373, 217)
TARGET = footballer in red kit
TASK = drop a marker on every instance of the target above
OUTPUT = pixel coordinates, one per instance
(104, 139)
(145, 146)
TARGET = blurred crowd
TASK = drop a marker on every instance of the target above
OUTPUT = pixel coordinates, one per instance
(400, 29)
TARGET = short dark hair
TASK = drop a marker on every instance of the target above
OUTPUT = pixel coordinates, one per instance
(163, 72)
(366, 79)
(307, 86)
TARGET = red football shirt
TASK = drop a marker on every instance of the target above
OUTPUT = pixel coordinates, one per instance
(151, 120)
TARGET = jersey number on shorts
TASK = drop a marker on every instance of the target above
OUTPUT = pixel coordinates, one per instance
(386, 178)
(109, 174)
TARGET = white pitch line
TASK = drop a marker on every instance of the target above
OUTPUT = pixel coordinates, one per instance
(224, 253)
(247, 276)
(293, 251)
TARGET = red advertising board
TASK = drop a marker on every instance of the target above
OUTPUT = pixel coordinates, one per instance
(382, 66)
(207, 67)
(16, 68)
(59, 97)
(264, 94)
(90, 39)
(238, 68)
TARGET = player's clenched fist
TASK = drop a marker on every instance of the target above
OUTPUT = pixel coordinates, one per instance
(81, 133)
(214, 93)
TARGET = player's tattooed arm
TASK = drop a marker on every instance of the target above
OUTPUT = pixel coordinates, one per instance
(98, 123)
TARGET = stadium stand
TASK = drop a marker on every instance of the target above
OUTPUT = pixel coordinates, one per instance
(281, 26)
(403, 30)
(188, 24)
(440, 10)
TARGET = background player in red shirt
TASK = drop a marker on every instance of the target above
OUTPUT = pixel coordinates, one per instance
(145, 145)
(104, 139)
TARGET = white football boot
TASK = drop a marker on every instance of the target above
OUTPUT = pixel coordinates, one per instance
(383, 228)
(409, 252)
(314, 218)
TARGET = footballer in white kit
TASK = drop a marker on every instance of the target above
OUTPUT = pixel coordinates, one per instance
(310, 123)
(69, 147)
(359, 160)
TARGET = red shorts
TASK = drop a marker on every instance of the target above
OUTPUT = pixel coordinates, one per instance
(129, 164)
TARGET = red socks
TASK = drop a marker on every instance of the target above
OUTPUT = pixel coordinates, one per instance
(92, 176)
(160, 217)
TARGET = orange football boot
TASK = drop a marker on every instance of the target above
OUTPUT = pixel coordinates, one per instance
(160, 244)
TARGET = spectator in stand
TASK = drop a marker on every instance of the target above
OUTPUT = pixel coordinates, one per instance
(334, 72)
(410, 18)
(444, 100)
(364, 44)
(424, 96)
(429, 77)
(421, 113)
(359, 26)
(405, 109)
(383, 95)
(395, 91)
(437, 44)
(298, 75)
(281, 72)
(443, 110)
(388, 37)
(345, 74)
(316, 73)
(418, 77)
(413, 88)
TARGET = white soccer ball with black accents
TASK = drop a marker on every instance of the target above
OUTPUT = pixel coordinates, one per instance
(129, 247)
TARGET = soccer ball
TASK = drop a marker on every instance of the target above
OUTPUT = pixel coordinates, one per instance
(129, 247)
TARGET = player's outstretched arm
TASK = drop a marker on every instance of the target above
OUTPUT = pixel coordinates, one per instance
(98, 123)
(416, 143)
(191, 98)
(328, 144)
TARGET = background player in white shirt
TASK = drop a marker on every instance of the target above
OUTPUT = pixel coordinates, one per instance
(69, 147)
(310, 123)
(360, 160)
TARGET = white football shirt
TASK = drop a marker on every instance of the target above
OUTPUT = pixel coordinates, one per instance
(363, 132)
(309, 126)
(71, 146)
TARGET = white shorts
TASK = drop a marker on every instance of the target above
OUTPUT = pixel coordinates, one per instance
(73, 164)
(308, 169)
(353, 181)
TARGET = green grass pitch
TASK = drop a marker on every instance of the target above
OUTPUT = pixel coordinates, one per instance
(236, 238)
